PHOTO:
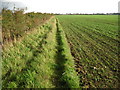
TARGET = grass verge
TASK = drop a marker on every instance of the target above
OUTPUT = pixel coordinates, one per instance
(65, 61)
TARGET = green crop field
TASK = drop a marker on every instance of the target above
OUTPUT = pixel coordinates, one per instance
(61, 51)
(93, 40)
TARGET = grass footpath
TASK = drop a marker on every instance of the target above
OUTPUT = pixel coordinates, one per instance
(41, 59)
(28, 63)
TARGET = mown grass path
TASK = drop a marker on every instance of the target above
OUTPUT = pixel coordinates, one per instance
(33, 60)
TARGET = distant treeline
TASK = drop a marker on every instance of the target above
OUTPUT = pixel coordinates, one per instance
(89, 14)
(15, 23)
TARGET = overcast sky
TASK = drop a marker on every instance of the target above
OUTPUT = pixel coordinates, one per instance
(70, 6)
